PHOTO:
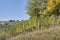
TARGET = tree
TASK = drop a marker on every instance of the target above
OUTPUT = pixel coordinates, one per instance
(6, 23)
(34, 7)
(52, 8)
(11, 20)
(17, 20)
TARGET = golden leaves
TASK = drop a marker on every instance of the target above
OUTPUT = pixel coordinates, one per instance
(51, 6)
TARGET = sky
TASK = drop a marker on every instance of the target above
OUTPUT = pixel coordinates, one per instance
(13, 10)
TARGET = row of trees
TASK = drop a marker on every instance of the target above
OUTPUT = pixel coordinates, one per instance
(13, 20)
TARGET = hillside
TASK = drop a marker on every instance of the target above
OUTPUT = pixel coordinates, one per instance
(45, 34)
(43, 24)
(25, 28)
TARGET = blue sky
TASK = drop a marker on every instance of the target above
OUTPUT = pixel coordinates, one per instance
(13, 9)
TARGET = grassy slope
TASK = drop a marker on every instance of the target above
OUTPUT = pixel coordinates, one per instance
(15, 30)
(45, 34)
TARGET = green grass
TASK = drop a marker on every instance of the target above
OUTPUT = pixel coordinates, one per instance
(16, 28)
(43, 35)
